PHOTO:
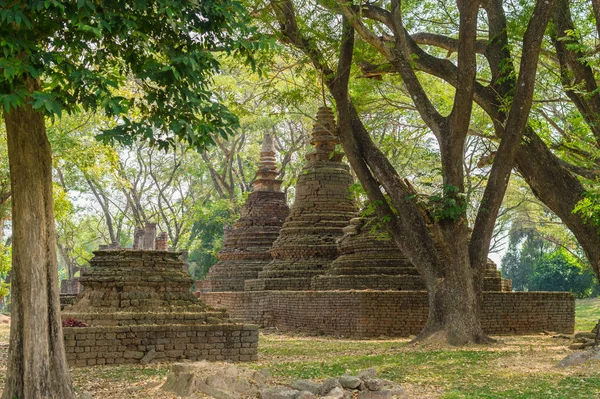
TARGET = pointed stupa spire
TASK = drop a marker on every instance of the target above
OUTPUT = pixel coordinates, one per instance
(267, 167)
(324, 137)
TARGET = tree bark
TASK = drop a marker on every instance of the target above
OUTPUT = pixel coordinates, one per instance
(37, 364)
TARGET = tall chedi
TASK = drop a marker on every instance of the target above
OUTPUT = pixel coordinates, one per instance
(323, 206)
(246, 248)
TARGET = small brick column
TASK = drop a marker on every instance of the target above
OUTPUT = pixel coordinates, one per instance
(162, 242)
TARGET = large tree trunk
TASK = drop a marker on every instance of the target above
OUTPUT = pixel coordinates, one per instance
(37, 365)
(454, 307)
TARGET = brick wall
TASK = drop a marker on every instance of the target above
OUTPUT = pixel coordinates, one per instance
(87, 346)
(390, 313)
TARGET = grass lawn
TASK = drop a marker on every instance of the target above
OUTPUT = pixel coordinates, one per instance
(587, 314)
(515, 367)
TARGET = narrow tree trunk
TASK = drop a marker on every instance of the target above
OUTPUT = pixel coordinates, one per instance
(37, 365)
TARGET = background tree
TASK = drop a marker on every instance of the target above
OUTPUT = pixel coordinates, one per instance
(60, 56)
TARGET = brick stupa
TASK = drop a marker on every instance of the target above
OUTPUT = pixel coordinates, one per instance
(246, 247)
(138, 307)
(323, 206)
(369, 260)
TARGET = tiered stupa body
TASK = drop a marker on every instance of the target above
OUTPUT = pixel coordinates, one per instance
(246, 247)
(323, 206)
(369, 259)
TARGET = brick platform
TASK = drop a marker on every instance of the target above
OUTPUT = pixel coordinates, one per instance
(365, 314)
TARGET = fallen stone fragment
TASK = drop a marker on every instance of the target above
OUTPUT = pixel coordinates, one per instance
(385, 394)
(148, 357)
(373, 384)
(580, 358)
(259, 378)
(232, 384)
(219, 380)
(397, 393)
(179, 382)
(278, 393)
(350, 382)
(306, 395)
(306, 385)
(585, 334)
(214, 392)
(577, 346)
(335, 393)
(328, 385)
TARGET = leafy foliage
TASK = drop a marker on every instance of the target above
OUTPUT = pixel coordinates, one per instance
(556, 272)
(84, 52)
(207, 236)
(535, 264)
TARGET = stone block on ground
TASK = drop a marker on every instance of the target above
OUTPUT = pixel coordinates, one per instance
(350, 382)
(383, 394)
(373, 384)
(306, 385)
(148, 357)
(220, 380)
(328, 385)
(335, 393)
(306, 395)
(580, 357)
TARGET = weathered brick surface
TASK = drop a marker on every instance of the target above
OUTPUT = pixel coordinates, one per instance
(88, 346)
(391, 313)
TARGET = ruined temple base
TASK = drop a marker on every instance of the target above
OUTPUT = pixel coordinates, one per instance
(365, 314)
(90, 346)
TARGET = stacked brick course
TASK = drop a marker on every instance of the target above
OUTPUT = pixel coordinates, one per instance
(368, 259)
(246, 247)
(307, 242)
(129, 344)
(138, 302)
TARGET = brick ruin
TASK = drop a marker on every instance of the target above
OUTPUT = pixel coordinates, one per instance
(246, 247)
(337, 275)
(138, 307)
(307, 241)
(69, 289)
